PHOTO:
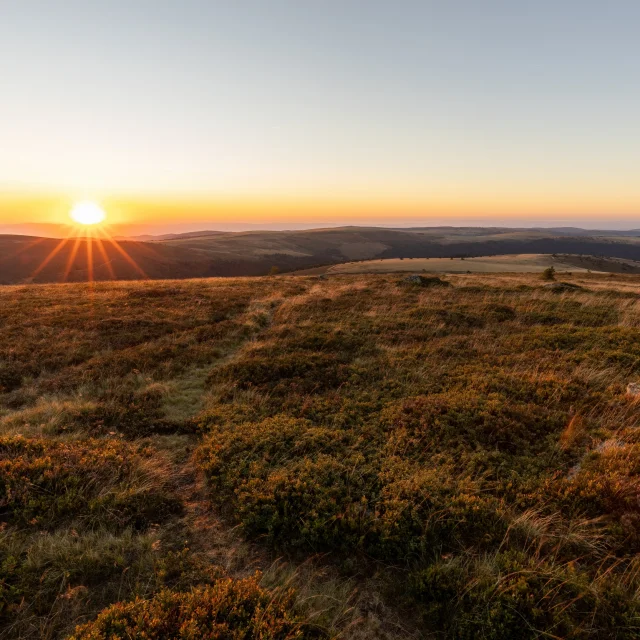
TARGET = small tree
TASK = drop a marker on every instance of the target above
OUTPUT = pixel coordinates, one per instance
(274, 271)
(549, 273)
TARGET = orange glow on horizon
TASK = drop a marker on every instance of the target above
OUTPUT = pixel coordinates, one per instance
(358, 209)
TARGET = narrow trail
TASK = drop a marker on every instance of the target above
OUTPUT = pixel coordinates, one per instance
(361, 613)
(187, 393)
(209, 535)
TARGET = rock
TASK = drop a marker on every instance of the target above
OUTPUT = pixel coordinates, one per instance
(633, 389)
(562, 286)
(425, 281)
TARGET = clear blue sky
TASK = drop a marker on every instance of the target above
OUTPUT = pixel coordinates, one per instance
(457, 107)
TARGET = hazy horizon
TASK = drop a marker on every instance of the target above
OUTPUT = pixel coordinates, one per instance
(53, 230)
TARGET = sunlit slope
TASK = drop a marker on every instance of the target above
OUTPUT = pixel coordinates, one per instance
(519, 263)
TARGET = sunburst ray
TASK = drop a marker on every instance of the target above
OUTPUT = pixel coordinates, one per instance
(89, 241)
(105, 257)
(52, 254)
(71, 258)
(123, 253)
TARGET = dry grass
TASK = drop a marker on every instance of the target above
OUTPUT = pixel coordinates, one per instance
(520, 263)
(419, 459)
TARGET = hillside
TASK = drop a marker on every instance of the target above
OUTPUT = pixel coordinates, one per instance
(25, 259)
(519, 263)
(348, 457)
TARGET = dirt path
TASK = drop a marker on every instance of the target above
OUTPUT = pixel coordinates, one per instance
(186, 397)
(349, 608)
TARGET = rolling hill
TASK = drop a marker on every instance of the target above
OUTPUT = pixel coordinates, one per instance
(25, 259)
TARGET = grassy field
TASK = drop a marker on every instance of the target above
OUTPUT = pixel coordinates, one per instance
(515, 263)
(293, 457)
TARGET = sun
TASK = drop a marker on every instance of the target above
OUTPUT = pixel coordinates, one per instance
(87, 213)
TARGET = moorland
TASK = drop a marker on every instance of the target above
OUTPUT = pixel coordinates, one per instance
(26, 259)
(348, 456)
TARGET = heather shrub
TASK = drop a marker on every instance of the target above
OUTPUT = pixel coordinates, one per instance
(449, 420)
(232, 609)
(296, 372)
(289, 480)
(429, 507)
(44, 483)
(500, 312)
(460, 319)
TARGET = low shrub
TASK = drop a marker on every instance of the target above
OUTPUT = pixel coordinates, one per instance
(233, 609)
(500, 312)
(425, 281)
(291, 481)
(448, 420)
(549, 274)
(297, 372)
(44, 483)
(430, 506)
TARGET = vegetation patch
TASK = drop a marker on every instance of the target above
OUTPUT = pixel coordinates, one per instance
(462, 458)
(44, 483)
(226, 609)
(425, 281)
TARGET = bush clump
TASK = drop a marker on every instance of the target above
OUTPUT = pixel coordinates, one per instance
(228, 609)
(297, 372)
(290, 480)
(45, 482)
(549, 273)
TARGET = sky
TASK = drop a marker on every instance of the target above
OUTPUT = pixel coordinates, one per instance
(321, 111)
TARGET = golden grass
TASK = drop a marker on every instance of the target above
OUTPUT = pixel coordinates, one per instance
(458, 446)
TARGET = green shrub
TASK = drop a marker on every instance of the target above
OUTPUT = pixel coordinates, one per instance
(500, 312)
(549, 273)
(448, 420)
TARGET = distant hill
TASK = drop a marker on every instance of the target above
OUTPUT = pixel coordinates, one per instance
(198, 254)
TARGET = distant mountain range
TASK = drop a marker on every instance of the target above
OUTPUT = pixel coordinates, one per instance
(198, 254)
